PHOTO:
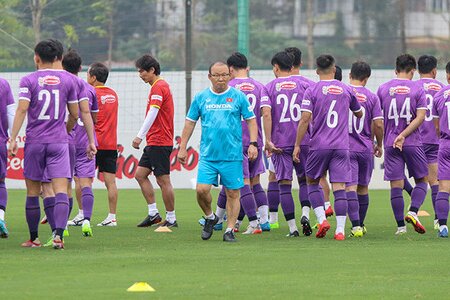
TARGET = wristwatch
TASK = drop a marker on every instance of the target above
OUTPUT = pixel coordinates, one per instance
(254, 144)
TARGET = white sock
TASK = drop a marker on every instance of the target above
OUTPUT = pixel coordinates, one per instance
(292, 225)
(238, 222)
(273, 217)
(340, 224)
(305, 211)
(320, 214)
(170, 216)
(81, 213)
(254, 223)
(111, 216)
(152, 210)
(210, 217)
(327, 204)
(2, 215)
(228, 229)
(220, 212)
(86, 222)
(263, 214)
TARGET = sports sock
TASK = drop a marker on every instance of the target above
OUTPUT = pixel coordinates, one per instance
(228, 229)
(111, 216)
(220, 212)
(210, 217)
(327, 204)
(363, 207)
(434, 192)
(261, 202)
(80, 213)
(254, 223)
(3, 197)
(241, 215)
(33, 215)
(273, 196)
(287, 202)
(222, 199)
(152, 210)
(70, 206)
(273, 217)
(353, 208)
(49, 205)
(305, 211)
(61, 212)
(407, 186)
(87, 198)
(442, 207)
(292, 225)
(418, 196)
(170, 216)
(398, 206)
(340, 223)
(248, 204)
(340, 203)
(320, 214)
(315, 196)
(303, 194)
(2, 214)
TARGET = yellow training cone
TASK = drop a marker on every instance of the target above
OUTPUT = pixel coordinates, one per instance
(140, 287)
(423, 213)
(163, 229)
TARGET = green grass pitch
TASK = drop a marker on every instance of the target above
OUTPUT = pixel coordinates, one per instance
(180, 265)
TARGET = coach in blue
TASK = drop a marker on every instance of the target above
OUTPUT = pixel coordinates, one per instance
(220, 109)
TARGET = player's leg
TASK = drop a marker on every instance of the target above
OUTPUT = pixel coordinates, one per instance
(73, 159)
(325, 187)
(49, 205)
(261, 202)
(363, 200)
(300, 169)
(3, 193)
(207, 176)
(441, 205)
(107, 164)
(233, 207)
(87, 198)
(431, 153)
(352, 196)
(153, 217)
(273, 196)
(78, 219)
(247, 200)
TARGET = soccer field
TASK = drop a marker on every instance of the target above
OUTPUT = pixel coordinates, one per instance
(180, 265)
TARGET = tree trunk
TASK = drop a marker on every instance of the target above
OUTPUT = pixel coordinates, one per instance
(37, 6)
(297, 18)
(110, 36)
(402, 18)
(309, 39)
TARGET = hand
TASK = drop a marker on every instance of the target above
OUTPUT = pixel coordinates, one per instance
(182, 155)
(13, 148)
(270, 148)
(91, 150)
(252, 152)
(399, 141)
(296, 154)
(136, 142)
(377, 151)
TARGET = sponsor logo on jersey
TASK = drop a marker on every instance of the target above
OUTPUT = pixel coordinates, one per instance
(224, 106)
(156, 97)
(285, 85)
(229, 99)
(361, 97)
(245, 87)
(108, 99)
(399, 90)
(48, 80)
(332, 89)
(446, 94)
(23, 90)
(432, 86)
(306, 102)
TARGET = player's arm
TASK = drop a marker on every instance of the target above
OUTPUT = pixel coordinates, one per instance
(418, 120)
(188, 129)
(88, 126)
(436, 126)
(148, 122)
(19, 117)
(355, 107)
(253, 130)
(11, 112)
(378, 131)
(301, 131)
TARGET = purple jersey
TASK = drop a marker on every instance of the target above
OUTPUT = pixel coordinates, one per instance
(300, 78)
(254, 91)
(427, 129)
(360, 139)
(441, 110)
(6, 98)
(400, 99)
(285, 96)
(81, 96)
(49, 92)
(330, 102)
(82, 140)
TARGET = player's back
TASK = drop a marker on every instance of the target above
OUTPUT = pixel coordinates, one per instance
(82, 140)
(427, 129)
(106, 126)
(285, 97)
(6, 98)
(441, 109)
(400, 99)
(48, 92)
(303, 80)
(330, 102)
(255, 91)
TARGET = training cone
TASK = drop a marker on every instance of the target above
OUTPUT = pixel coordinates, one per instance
(163, 229)
(140, 287)
(423, 213)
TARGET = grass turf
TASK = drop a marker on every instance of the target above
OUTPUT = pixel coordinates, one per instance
(180, 265)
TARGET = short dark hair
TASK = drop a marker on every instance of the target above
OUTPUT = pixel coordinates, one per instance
(284, 60)
(360, 70)
(447, 68)
(324, 62)
(219, 63)
(237, 60)
(49, 50)
(100, 71)
(297, 55)
(72, 61)
(338, 74)
(405, 63)
(426, 64)
(146, 62)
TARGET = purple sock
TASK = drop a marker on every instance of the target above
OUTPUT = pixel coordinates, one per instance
(434, 192)
(340, 203)
(87, 198)
(260, 195)
(273, 196)
(363, 207)
(49, 205)
(287, 202)
(248, 203)
(33, 215)
(398, 205)
(442, 207)
(315, 195)
(61, 212)
(241, 215)
(222, 199)
(303, 194)
(3, 196)
(418, 196)
(407, 186)
(353, 208)
(70, 206)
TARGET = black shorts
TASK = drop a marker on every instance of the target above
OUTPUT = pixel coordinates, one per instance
(157, 159)
(106, 161)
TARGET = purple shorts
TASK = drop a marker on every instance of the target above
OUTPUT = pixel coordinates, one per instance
(3, 161)
(51, 159)
(72, 150)
(84, 167)
(361, 164)
(444, 164)
(284, 165)
(395, 160)
(253, 168)
(431, 152)
(337, 162)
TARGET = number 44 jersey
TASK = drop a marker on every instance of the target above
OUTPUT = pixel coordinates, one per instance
(400, 100)
(48, 92)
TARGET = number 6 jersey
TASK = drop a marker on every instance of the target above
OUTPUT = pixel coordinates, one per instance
(48, 92)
